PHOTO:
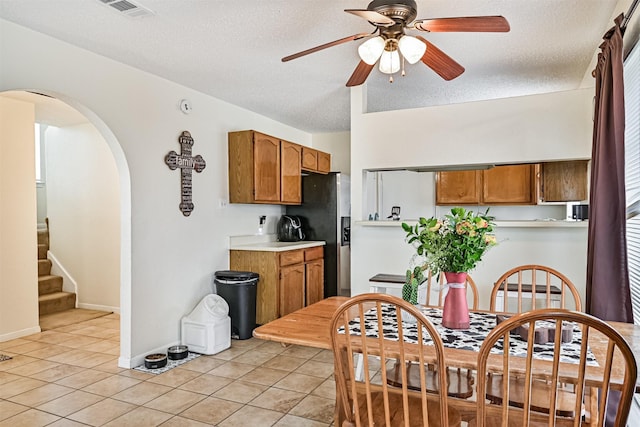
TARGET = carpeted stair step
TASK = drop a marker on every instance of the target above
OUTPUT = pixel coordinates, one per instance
(43, 236)
(49, 284)
(42, 251)
(56, 302)
(44, 267)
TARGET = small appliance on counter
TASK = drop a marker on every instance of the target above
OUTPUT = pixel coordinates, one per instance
(580, 212)
(290, 229)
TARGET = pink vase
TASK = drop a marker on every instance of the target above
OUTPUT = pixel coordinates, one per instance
(455, 313)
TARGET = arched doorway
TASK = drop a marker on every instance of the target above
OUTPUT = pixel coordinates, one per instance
(77, 156)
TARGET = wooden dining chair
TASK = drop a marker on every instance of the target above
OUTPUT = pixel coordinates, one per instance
(553, 391)
(407, 336)
(435, 293)
(542, 286)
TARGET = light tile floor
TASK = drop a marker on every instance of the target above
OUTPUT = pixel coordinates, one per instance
(69, 377)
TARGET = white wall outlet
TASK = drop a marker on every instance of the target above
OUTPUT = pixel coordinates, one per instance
(222, 203)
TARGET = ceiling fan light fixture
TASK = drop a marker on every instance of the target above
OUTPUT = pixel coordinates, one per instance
(371, 50)
(412, 49)
(390, 62)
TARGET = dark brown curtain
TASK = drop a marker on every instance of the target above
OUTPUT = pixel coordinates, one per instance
(608, 294)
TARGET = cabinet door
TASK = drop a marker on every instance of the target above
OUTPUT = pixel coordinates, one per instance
(315, 281)
(458, 187)
(564, 181)
(291, 176)
(266, 265)
(324, 162)
(509, 185)
(266, 164)
(291, 288)
(309, 159)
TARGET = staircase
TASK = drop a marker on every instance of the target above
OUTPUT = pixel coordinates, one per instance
(51, 298)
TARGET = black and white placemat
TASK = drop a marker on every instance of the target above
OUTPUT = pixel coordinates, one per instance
(466, 339)
(170, 364)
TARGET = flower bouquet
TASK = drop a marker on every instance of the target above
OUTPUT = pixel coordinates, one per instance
(453, 244)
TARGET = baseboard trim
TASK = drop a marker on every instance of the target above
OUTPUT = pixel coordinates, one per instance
(20, 334)
(99, 307)
(132, 362)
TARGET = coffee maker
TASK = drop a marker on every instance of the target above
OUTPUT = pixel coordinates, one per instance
(290, 229)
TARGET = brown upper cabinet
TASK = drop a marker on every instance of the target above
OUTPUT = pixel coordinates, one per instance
(263, 169)
(563, 181)
(290, 176)
(514, 184)
(509, 185)
(266, 169)
(458, 187)
(501, 185)
(315, 161)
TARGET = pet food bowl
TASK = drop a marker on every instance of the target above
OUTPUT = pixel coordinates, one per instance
(155, 361)
(177, 352)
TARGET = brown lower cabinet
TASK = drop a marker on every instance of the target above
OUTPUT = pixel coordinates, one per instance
(289, 280)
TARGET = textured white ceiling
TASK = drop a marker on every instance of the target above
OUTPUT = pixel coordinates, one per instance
(232, 50)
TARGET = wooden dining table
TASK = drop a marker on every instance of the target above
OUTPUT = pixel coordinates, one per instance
(309, 326)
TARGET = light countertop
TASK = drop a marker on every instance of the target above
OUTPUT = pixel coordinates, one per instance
(276, 246)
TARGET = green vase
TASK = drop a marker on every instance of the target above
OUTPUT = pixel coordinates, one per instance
(410, 293)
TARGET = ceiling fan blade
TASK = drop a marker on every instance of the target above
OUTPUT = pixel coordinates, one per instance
(326, 45)
(481, 24)
(360, 74)
(440, 62)
(372, 16)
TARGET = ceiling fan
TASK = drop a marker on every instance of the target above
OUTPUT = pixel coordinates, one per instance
(392, 46)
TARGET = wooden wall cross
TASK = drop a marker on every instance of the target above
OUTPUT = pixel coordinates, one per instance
(186, 163)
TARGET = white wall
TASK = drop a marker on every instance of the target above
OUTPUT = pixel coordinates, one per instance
(83, 204)
(515, 130)
(18, 237)
(167, 259)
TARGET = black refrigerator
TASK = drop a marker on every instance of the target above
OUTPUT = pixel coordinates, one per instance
(325, 214)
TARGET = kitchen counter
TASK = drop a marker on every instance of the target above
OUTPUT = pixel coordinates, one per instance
(276, 246)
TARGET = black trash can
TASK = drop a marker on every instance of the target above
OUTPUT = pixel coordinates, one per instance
(238, 288)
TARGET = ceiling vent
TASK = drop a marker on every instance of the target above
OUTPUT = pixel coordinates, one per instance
(128, 8)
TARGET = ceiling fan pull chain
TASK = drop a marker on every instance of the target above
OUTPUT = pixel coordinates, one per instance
(402, 66)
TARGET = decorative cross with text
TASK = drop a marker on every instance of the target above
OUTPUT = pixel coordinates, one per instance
(186, 163)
